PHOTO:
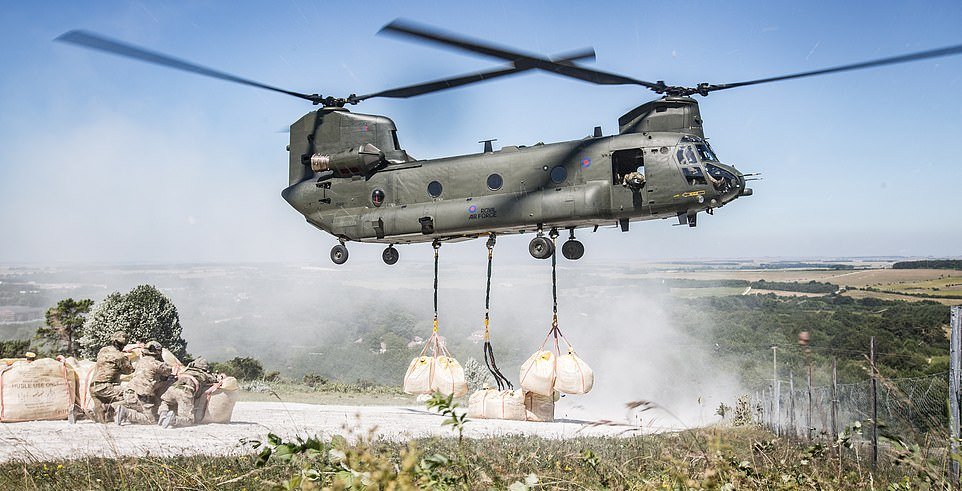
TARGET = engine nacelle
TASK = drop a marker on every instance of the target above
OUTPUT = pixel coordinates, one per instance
(362, 160)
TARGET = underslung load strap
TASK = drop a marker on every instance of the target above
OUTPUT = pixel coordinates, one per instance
(437, 248)
(489, 360)
(554, 331)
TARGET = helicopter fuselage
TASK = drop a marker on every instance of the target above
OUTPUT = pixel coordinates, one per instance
(600, 180)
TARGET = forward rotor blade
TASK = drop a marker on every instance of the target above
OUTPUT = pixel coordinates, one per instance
(100, 43)
(921, 55)
(520, 60)
(450, 83)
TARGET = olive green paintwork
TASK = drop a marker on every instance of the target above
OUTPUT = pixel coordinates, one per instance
(591, 192)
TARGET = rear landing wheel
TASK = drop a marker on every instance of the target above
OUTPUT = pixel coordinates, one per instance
(339, 254)
(541, 247)
(573, 249)
(390, 255)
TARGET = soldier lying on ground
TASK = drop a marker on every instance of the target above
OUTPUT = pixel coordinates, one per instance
(178, 404)
(141, 395)
(105, 387)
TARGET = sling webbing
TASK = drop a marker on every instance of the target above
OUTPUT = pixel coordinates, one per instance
(489, 360)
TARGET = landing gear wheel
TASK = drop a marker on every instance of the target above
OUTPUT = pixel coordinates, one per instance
(573, 249)
(541, 247)
(390, 255)
(339, 254)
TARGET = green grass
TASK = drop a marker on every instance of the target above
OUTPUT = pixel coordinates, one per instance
(332, 393)
(713, 458)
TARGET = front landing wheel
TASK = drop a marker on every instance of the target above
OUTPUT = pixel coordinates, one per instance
(541, 247)
(573, 249)
(339, 254)
(390, 255)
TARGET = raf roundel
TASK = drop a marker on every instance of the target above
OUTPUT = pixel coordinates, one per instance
(585, 163)
(472, 209)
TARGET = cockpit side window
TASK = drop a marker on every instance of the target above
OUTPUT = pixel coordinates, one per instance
(690, 155)
(705, 153)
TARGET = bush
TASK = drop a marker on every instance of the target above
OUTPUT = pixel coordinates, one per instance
(241, 368)
(16, 348)
(144, 314)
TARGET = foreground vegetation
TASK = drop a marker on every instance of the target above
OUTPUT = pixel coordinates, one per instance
(714, 458)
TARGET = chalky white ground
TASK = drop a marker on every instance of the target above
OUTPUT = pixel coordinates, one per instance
(53, 440)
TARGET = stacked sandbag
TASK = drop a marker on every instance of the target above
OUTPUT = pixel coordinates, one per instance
(497, 404)
(538, 407)
(220, 401)
(36, 390)
(84, 370)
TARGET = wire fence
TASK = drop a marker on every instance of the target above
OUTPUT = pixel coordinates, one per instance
(911, 409)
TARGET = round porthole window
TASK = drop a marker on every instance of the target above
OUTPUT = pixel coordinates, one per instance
(434, 189)
(377, 197)
(495, 182)
(559, 174)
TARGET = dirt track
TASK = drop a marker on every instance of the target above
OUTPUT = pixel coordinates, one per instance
(52, 440)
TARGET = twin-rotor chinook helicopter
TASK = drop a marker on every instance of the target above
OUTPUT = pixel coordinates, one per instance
(349, 176)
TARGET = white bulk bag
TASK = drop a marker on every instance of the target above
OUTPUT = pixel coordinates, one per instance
(574, 376)
(504, 404)
(221, 400)
(36, 390)
(538, 373)
(449, 377)
(417, 380)
(476, 402)
(85, 371)
(538, 407)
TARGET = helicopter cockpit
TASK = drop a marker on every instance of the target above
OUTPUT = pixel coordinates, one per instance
(699, 165)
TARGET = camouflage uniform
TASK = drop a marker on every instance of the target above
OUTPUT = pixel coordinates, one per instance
(141, 394)
(182, 396)
(111, 364)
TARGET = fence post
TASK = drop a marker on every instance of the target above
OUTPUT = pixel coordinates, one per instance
(809, 421)
(776, 393)
(791, 403)
(874, 402)
(835, 403)
(955, 360)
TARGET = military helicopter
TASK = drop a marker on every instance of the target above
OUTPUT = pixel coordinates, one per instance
(350, 177)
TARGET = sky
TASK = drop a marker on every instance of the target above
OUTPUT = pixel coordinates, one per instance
(104, 159)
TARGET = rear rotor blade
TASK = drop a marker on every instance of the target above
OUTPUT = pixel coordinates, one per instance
(520, 60)
(100, 43)
(450, 83)
(921, 55)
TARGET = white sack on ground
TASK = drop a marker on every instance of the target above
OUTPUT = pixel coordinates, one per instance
(39, 390)
(85, 370)
(538, 373)
(449, 377)
(220, 402)
(497, 404)
(538, 407)
(417, 380)
(573, 375)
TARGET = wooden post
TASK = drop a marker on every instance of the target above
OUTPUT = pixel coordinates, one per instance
(874, 407)
(776, 415)
(810, 428)
(955, 390)
(835, 403)
(791, 403)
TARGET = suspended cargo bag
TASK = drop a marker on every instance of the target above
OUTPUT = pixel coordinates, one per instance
(438, 371)
(538, 373)
(574, 376)
(417, 380)
(39, 390)
(221, 398)
(538, 407)
(449, 377)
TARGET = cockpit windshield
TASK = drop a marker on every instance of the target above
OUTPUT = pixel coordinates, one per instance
(705, 153)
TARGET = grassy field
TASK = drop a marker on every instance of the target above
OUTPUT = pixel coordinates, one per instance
(712, 458)
(333, 393)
